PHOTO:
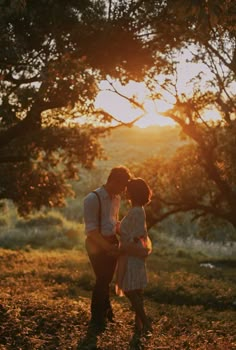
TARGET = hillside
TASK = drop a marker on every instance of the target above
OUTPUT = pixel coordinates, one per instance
(125, 145)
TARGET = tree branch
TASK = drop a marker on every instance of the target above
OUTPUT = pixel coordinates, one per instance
(109, 10)
(135, 6)
(120, 122)
(129, 99)
(30, 122)
(21, 81)
(182, 207)
(216, 52)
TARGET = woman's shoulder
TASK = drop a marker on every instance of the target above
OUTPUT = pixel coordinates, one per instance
(137, 213)
(137, 210)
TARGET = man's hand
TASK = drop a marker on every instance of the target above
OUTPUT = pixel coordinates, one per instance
(133, 249)
(113, 251)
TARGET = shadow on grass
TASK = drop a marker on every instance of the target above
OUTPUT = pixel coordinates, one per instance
(139, 342)
(89, 341)
(136, 342)
(180, 297)
(84, 281)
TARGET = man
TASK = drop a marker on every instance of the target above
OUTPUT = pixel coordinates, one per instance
(101, 210)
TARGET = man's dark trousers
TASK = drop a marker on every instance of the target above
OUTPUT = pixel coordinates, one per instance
(104, 267)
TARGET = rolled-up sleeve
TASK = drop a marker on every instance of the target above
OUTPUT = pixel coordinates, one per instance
(91, 206)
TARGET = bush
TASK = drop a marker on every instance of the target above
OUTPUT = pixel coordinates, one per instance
(50, 219)
(86, 281)
(3, 222)
(49, 231)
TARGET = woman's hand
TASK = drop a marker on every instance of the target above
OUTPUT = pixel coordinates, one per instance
(134, 249)
(118, 227)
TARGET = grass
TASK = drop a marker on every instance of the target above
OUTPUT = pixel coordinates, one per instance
(51, 231)
(45, 298)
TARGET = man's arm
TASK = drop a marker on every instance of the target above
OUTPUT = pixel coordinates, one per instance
(95, 241)
(95, 237)
(133, 249)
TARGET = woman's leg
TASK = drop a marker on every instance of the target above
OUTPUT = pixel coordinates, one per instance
(138, 323)
(147, 325)
(136, 300)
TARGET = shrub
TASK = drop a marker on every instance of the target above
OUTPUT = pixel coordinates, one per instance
(3, 222)
(49, 231)
(51, 219)
(86, 281)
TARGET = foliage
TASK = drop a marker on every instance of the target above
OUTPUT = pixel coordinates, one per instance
(182, 184)
(47, 231)
(53, 56)
(200, 177)
(37, 221)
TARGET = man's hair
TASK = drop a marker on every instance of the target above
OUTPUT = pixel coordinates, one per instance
(139, 191)
(119, 173)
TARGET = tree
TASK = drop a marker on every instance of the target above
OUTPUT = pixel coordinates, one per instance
(53, 55)
(201, 177)
(56, 52)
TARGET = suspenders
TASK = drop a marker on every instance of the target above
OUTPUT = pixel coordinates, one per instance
(91, 247)
(99, 211)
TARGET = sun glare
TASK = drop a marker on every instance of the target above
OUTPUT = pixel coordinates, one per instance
(123, 111)
(153, 116)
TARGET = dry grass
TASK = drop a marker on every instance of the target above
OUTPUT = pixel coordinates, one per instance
(45, 296)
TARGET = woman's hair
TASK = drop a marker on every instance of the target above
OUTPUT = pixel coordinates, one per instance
(139, 191)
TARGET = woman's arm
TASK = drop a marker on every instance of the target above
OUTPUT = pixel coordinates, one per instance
(135, 249)
(140, 244)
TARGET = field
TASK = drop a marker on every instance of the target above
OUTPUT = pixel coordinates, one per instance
(46, 278)
(45, 296)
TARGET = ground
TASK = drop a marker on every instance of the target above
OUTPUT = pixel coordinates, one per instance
(45, 298)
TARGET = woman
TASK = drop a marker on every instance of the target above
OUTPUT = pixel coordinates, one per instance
(135, 247)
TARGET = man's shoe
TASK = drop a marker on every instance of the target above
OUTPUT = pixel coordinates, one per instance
(97, 325)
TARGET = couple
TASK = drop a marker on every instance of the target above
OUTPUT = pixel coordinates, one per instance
(106, 252)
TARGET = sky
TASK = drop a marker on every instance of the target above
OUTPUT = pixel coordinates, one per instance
(122, 110)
